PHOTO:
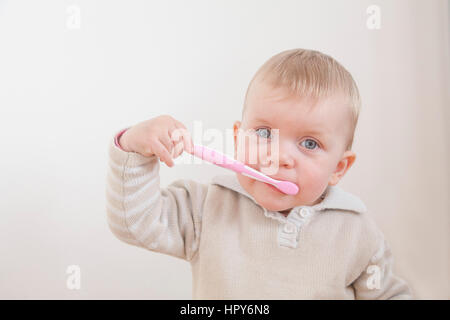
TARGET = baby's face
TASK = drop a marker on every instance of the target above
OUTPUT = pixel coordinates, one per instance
(311, 152)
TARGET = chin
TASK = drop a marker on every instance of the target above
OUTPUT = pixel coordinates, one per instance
(271, 207)
(271, 201)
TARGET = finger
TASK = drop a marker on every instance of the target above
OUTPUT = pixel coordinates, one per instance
(160, 150)
(188, 144)
(177, 135)
(167, 142)
(176, 138)
(178, 150)
(186, 137)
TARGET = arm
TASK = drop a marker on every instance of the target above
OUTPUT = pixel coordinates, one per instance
(377, 281)
(140, 213)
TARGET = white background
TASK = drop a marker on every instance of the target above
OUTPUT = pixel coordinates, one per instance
(64, 92)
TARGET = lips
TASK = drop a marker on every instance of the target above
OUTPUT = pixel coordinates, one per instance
(280, 179)
(277, 177)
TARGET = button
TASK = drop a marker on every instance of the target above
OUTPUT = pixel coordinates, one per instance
(289, 227)
(304, 212)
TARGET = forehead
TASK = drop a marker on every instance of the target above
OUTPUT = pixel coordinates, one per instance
(280, 108)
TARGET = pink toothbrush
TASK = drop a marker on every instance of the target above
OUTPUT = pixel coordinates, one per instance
(226, 162)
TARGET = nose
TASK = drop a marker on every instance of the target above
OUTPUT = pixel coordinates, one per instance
(285, 159)
(282, 156)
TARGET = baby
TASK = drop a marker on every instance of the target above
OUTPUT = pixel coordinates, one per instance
(244, 238)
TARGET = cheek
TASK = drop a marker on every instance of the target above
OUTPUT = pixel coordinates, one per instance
(244, 150)
(246, 182)
(255, 188)
(313, 176)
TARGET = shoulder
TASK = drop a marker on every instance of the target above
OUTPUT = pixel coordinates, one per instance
(350, 213)
(189, 184)
(192, 190)
(352, 229)
(229, 184)
(337, 198)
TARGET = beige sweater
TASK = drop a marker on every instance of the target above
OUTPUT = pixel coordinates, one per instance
(238, 249)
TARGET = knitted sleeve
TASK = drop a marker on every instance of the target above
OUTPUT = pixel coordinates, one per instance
(378, 281)
(141, 213)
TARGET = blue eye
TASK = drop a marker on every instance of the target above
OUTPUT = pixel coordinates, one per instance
(309, 144)
(265, 132)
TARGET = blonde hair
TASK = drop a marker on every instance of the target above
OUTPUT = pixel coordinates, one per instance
(309, 73)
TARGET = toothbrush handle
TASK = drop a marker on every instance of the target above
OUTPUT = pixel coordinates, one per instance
(248, 171)
(218, 158)
(226, 162)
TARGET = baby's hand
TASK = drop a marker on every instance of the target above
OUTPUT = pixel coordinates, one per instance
(162, 136)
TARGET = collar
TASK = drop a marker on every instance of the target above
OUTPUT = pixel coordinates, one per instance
(335, 198)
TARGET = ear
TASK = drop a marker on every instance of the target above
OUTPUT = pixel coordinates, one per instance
(236, 126)
(347, 160)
